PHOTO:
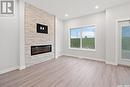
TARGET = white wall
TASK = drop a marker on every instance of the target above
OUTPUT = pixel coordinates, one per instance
(58, 37)
(22, 38)
(9, 42)
(97, 19)
(113, 14)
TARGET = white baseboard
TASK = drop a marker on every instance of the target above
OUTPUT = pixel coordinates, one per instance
(22, 67)
(111, 63)
(96, 59)
(58, 56)
(9, 69)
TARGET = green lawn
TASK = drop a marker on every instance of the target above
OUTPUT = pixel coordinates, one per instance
(89, 43)
(86, 43)
(75, 43)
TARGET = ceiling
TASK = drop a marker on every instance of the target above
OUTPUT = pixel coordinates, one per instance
(75, 8)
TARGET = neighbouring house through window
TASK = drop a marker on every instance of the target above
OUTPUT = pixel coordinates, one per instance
(83, 37)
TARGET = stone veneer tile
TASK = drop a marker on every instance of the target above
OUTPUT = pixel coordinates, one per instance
(34, 15)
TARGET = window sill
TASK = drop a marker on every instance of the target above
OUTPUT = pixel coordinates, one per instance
(82, 49)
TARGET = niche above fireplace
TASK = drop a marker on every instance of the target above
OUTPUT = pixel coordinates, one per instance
(40, 49)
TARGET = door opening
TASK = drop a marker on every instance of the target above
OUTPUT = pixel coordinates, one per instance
(124, 42)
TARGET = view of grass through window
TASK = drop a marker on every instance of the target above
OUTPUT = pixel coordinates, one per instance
(75, 38)
(83, 37)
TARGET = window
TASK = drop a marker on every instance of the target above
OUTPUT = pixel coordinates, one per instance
(75, 38)
(83, 37)
(126, 38)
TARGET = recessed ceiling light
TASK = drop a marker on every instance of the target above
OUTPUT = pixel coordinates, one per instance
(66, 15)
(96, 7)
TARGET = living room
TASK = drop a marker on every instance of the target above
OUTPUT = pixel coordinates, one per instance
(64, 43)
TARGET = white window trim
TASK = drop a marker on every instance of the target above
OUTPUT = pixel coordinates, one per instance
(82, 49)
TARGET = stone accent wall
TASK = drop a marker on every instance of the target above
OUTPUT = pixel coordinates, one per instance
(33, 16)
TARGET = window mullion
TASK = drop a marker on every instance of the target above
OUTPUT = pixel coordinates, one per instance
(81, 38)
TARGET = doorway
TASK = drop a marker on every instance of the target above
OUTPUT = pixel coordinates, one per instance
(124, 42)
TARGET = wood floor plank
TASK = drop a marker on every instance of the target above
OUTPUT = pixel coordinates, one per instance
(68, 72)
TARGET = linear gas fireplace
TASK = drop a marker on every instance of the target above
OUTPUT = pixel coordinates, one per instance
(35, 50)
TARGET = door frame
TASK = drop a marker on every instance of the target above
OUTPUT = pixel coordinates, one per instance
(117, 39)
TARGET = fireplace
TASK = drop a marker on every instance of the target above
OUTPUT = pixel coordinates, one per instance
(35, 50)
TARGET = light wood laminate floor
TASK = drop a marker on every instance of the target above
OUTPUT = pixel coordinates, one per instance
(68, 72)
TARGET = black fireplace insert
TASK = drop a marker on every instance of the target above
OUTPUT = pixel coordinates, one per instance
(41, 49)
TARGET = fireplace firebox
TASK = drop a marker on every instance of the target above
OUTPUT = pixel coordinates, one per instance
(35, 50)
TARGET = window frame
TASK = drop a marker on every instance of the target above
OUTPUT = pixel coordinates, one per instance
(81, 48)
